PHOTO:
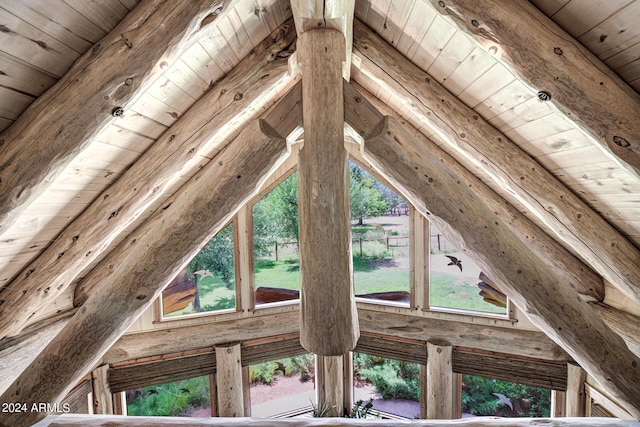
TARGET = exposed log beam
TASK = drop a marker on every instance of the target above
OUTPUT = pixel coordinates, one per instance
(334, 14)
(149, 258)
(546, 57)
(329, 322)
(363, 112)
(73, 420)
(502, 164)
(60, 123)
(540, 292)
(16, 353)
(624, 324)
(204, 129)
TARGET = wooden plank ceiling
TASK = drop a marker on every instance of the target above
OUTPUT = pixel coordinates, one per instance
(41, 39)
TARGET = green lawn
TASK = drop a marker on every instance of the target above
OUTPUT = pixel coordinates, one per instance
(446, 293)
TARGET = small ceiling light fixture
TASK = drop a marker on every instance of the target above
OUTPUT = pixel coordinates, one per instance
(544, 96)
(118, 112)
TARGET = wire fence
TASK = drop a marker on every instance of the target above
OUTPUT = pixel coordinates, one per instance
(282, 250)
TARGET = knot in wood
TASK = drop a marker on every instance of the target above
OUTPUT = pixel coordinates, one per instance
(237, 97)
(621, 142)
(557, 51)
(441, 3)
(474, 22)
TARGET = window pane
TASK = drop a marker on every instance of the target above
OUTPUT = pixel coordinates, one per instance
(392, 386)
(275, 244)
(184, 398)
(282, 386)
(455, 279)
(483, 396)
(208, 281)
(380, 239)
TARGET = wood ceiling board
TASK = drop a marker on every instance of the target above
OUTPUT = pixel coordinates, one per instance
(472, 68)
(458, 48)
(377, 15)
(543, 127)
(22, 40)
(13, 103)
(615, 34)
(123, 138)
(23, 77)
(566, 140)
(137, 123)
(156, 110)
(251, 16)
(219, 50)
(104, 14)
(396, 20)
(58, 20)
(200, 64)
(528, 111)
(549, 7)
(416, 27)
(434, 41)
(171, 94)
(579, 16)
(515, 93)
(492, 81)
(625, 57)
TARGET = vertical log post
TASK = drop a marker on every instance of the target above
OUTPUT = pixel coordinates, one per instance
(102, 397)
(329, 323)
(575, 394)
(330, 384)
(229, 381)
(558, 404)
(439, 381)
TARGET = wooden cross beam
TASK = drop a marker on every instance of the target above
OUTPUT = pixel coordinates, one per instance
(151, 256)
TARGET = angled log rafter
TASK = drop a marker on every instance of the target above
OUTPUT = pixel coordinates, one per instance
(580, 85)
(157, 250)
(499, 162)
(117, 70)
(540, 292)
(204, 129)
(363, 112)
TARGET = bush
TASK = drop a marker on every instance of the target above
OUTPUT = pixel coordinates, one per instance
(393, 379)
(477, 398)
(170, 399)
(267, 372)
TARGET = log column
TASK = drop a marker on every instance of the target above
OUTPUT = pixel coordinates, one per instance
(439, 381)
(330, 383)
(575, 394)
(329, 323)
(229, 381)
(102, 397)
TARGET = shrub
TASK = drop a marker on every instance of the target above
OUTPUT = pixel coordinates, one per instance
(477, 398)
(170, 399)
(393, 379)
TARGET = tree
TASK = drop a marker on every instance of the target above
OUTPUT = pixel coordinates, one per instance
(275, 216)
(217, 257)
(365, 199)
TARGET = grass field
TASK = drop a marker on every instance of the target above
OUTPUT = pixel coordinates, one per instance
(379, 269)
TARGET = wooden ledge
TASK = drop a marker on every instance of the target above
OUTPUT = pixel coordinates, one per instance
(118, 420)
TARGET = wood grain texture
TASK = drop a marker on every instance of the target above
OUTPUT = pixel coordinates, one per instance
(624, 324)
(205, 129)
(229, 381)
(329, 322)
(102, 396)
(549, 59)
(70, 420)
(145, 262)
(332, 14)
(501, 164)
(62, 122)
(575, 395)
(537, 290)
(364, 112)
(330, 385)
(439, 390)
